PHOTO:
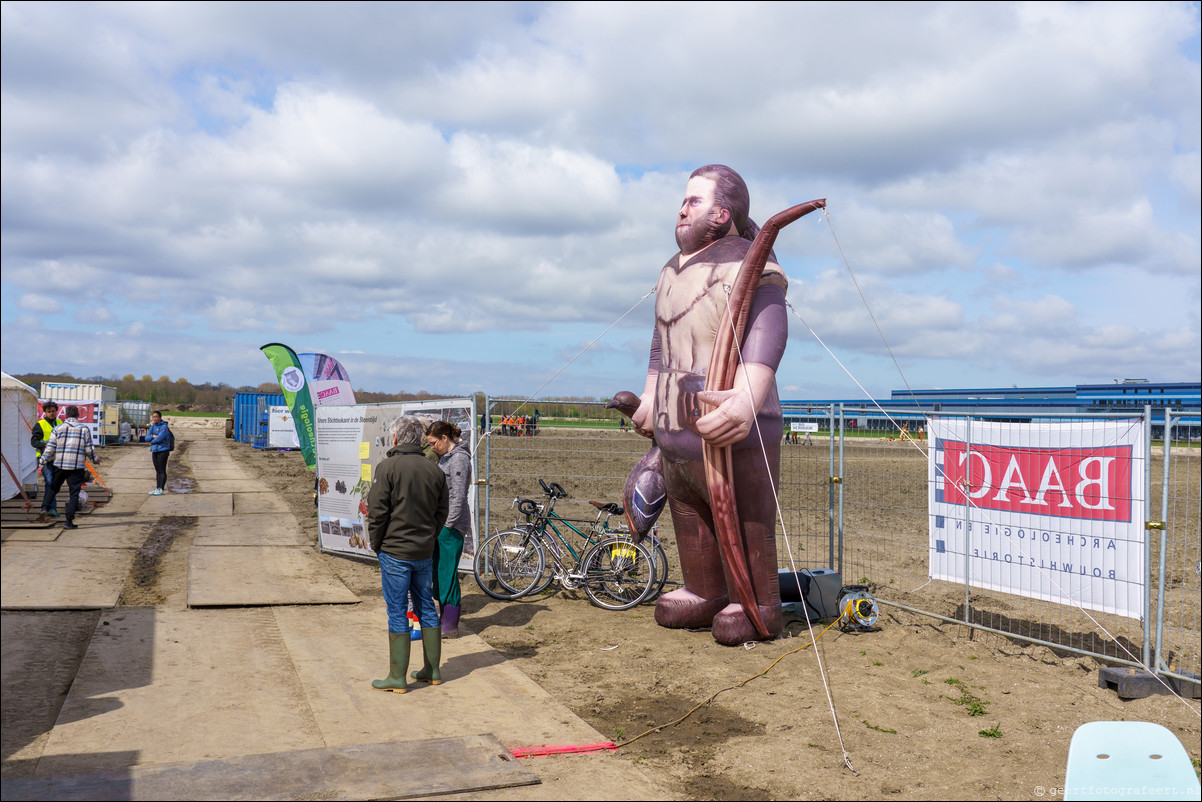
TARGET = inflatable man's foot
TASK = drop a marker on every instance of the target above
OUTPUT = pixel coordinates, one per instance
(681, 609)
(732, 626)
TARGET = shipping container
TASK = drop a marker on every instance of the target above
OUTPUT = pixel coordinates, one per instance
(250, 415)
(65, 391)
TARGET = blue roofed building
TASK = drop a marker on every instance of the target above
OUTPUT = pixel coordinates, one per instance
(1019, 404)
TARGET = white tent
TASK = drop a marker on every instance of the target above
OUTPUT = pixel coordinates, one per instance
(20, 412)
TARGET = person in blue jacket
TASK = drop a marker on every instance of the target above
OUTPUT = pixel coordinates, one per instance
(162, 443)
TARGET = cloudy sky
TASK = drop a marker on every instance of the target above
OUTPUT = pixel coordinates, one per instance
(457, 196)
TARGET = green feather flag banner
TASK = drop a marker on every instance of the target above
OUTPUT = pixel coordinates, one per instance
(296, 392)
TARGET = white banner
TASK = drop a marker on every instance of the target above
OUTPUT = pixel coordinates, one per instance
(1051, 511)
(462, 413)
(351, 441)
(281, 431)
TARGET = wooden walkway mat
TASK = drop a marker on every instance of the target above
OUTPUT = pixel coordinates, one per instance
(404, 770)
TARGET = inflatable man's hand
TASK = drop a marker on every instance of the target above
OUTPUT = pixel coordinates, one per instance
(642, 417)
(736, 408)
(730, 422)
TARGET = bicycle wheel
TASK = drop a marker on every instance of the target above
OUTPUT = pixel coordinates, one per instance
(521, 562)
(508, 564)
(661, 566)
(660, 557)
(549, 550)
(618, 574)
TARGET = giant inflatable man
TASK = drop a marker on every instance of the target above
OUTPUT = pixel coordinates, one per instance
(710, 403)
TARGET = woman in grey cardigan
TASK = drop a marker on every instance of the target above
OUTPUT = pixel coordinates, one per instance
(455, 459)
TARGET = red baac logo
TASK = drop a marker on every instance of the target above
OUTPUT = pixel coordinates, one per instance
(1091, 483)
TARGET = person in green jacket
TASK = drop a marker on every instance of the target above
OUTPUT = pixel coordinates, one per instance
(406, 508)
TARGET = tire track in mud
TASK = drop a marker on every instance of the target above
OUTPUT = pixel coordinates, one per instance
(165, 549)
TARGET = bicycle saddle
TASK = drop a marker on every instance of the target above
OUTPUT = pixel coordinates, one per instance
(609, 506)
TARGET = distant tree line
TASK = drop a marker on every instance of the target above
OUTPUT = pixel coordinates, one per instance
(178, 393)
(182, 394)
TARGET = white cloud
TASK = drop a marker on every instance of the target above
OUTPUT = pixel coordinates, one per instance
(361, 172)
(512, 186)
(94, 315)
(899, 241)
(41, 304)
(1186, 174)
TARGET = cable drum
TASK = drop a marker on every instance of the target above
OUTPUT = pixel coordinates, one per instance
(858, 607)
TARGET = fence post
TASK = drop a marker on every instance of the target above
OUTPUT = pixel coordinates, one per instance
(967, 516)
(487, 465)
(830, 487)
(1164, 533)
(1147, 611)
(842, 435)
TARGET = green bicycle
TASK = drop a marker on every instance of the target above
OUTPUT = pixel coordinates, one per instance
(614, 572)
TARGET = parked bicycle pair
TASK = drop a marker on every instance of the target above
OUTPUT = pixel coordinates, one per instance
(615, 572)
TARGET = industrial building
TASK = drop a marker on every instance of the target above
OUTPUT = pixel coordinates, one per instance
(1017, 404)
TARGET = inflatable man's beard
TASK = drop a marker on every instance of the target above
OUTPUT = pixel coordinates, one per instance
(702, 232)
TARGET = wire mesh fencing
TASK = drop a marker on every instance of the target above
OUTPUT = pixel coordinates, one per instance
(1019, 548)
(867, 504)
(1177, 479)
(583, 446)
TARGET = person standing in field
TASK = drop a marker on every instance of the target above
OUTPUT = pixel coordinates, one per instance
(69, 448)
(39, 436)
(406, 507)
(162, 443)
(455, 459)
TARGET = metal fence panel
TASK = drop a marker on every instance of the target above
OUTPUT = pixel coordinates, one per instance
(886, 520)
(857, 500)
(1177, 546)
(807, 532)
(581, 445)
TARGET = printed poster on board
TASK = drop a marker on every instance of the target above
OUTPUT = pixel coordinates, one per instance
(351, 441)
(1051, 511)
(281, 430)
(90, 413)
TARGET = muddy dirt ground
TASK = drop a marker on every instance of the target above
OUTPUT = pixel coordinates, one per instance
(923, 709)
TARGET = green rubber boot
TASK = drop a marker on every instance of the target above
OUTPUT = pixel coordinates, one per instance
(398, 664)
(432, 650)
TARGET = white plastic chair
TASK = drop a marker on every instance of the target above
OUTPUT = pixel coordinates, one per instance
(1128, 760)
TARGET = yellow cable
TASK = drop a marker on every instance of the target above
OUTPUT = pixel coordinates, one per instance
(732, 687)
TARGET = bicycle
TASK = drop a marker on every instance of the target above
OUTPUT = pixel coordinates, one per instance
(601, 528)
(615, 572)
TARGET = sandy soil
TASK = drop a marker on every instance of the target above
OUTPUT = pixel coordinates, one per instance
(924, 710)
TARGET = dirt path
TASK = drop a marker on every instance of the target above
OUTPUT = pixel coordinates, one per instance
(926, 710)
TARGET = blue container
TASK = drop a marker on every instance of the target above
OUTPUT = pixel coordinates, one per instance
(250, 414)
